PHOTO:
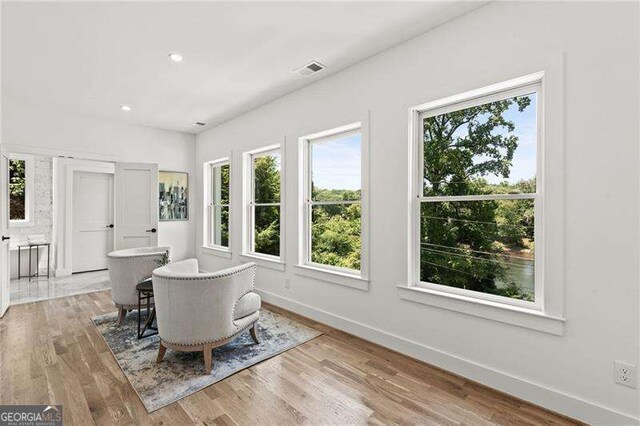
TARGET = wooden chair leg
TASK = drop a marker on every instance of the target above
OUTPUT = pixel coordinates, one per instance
(207, 358)
(122, 313)
(254, 333)
(161, 351)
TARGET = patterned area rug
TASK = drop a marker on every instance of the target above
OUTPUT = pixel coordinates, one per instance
(182, 373)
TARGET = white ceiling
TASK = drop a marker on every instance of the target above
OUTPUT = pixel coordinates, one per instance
(90, 58)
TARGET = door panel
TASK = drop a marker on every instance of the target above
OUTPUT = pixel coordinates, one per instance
(92, 217)
(4, 232)
(136, 205)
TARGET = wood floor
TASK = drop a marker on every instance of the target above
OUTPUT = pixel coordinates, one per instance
(50, 352)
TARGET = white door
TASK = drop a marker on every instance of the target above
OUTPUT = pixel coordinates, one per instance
(92, 220)
(4, 234)
(136, 205)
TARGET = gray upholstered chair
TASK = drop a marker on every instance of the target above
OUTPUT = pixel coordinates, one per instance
(126, 269)
(200, 311)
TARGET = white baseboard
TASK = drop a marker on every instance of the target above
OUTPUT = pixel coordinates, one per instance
(62, 272)
(550, 399)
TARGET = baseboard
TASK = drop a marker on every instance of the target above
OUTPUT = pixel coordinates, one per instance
(62, 272)
(548, 398)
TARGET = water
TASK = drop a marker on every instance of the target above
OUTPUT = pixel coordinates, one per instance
(522, 272)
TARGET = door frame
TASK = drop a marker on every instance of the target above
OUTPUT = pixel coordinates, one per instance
(5, 292)
(67, 238)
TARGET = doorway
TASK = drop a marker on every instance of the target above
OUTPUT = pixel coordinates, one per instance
(93, 227)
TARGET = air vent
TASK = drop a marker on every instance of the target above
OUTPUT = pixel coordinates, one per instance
(310, 68)
(199, 123)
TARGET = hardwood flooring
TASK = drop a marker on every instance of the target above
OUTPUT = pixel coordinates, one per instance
(50, 352)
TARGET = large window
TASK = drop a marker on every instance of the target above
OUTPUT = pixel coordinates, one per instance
(20, 189)
(263, 220)
(218, 174)
(332, 200)
(478, 202)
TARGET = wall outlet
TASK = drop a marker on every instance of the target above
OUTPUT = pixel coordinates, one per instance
(625, 374)
(287, 283)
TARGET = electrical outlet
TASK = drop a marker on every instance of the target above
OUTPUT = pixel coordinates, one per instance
(287, 283)
(626, 374)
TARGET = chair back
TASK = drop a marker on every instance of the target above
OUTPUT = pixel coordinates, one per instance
(130, 266)
(193, 307)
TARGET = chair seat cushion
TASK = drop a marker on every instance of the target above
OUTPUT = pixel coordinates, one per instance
(248, 304)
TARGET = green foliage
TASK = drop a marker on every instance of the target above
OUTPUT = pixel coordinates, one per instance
(335, 233)
(267, 218)
(466, 244)
(17, 185)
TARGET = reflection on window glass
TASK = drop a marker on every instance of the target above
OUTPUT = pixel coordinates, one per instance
(17, 190)
(486, 149)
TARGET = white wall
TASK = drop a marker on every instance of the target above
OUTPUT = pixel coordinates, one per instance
(31, 129)
(572, 373)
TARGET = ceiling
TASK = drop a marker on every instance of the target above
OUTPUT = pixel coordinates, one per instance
(91, 58)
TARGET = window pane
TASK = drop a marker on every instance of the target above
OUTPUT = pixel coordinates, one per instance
(267, 230)
(335, 168)
(220, 184)
(487, 149)
(17, 190)
(220, 227)
(266, 172)
(335, 235)
(485, 246)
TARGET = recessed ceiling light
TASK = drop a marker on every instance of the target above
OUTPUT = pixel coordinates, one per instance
(126, 108)
(175, 57)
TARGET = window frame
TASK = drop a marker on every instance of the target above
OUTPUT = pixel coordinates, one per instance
(345, 276)
(29, 195)
(249, 204)
(207, 237)
(512, 88)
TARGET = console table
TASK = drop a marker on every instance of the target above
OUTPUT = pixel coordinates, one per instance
(37, 246)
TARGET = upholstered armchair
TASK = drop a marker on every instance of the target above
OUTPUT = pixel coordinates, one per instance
(200, 311)
(126, 269)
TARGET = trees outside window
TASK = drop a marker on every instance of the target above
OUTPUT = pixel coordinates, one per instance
(265, 203)
(332, 200)
(477, 209)
(17, 190)
(219, 173)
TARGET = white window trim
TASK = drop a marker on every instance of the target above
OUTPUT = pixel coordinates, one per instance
(207, 246)
(29, 195)
(305, 267)
(247, 207)
(545, 314)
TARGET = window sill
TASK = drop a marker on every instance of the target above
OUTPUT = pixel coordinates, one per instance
(521, 317)
(20, 223)
(334, 277)
(265, 262)
(220, 252)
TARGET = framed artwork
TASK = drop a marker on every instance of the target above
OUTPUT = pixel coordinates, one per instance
(173, 195)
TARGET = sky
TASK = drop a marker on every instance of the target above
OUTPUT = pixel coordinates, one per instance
(336, 163)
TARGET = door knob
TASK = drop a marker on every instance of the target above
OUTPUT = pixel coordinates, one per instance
(151, 230)
(110, 226)
(5, 238)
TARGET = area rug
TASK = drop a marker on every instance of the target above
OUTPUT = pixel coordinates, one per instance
(182, 373)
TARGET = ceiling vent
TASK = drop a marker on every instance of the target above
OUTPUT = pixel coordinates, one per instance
(310, 68)
(199, 124)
